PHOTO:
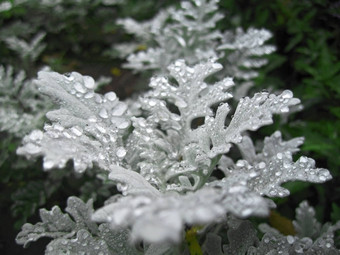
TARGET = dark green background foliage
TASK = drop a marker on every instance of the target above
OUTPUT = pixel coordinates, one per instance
(306, 34)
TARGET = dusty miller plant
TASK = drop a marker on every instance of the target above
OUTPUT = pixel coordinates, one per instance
(170, 158)
(310, 237)
(163, 164)
(189, 32)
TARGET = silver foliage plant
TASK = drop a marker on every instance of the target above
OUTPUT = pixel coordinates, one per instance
(189, 32)
(310, 237)
(27, 51)
(22, 106)
(162, 161)
(168, 153)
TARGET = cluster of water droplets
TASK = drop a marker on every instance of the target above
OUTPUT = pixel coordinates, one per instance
(280, 169)
(245, 45)
(296, 245)
(87, 128)
(109, 106)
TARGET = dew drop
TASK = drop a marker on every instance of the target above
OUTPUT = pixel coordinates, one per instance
(322, 178)
(190, 70)
(181, 103)
(303, 159)
(58, 127)
(284, 109)
(124, 124)
(48, 164)
(119, 109)
(78, 87)
(262, 165)
(152, 102)
(77, 131)
(103, 113)
(89, 82)
(111, 96)
(298, 249)
(141, 123)
(92, 119)
(89, 95)
(252, 174)
(277, 134)
(98, 99)
(286, 165)
(278, 173)
(240, 163)
(36, 135)
(217, 66)
(32, 148)
(246, 212)
(67, 134)
(287, 94)
(178, 63)
(121, 152)
(272, 192)
(101, 128)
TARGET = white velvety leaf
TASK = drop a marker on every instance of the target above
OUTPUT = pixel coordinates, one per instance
(314, 242)
(240, 237)
(77, 234)
(187, 32)
(81, 213)
(276, 166)
(54, 224)
(165, 137)
(130, 182)
(83, 243)
(150, 59)
(118, 240)
(22, 106)
(161, 219)
(145, 30)
(250, 114)
(253, 113)
(87, 128)
(247, 48)
(27, 50)
(306, 225)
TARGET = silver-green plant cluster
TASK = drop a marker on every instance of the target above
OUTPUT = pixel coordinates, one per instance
(22, 104)
(310, 237)
(190, 33)
(162, 164)
(170, 158)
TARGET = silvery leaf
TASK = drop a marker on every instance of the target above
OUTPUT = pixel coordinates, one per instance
(87, 128)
